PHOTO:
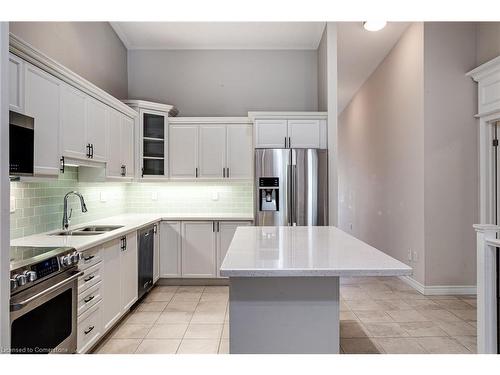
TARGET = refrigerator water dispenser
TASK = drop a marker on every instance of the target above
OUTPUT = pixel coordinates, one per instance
(269, 194)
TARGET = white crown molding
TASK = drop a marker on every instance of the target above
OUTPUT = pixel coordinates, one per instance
(209, 120)
(144, 104)
(439, 290)
(27, 52)
(487, 76)
(287, 114)
(118, 30)
(485, 69)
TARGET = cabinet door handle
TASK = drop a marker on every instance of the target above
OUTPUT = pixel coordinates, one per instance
(213, 226)
(154, 228)
(289, 142)
(218, 226)
(86, 259)
(285, 143)
(196, 172)
(223, 172)
(61, 169)
(227, 174)
(88, 150)
(88, 278)
(124, 170)
(92, 150)
(88, 299)
(88, 330)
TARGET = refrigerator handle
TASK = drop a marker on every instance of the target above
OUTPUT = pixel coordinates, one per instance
(293, 216)
(290, 194)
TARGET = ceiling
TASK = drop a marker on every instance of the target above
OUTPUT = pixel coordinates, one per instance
(219, 35)
(359, 52)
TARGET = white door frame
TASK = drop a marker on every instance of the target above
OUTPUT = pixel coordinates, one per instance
(4, 190)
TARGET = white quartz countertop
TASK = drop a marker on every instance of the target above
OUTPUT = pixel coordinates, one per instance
(307, 252)
(130, 222)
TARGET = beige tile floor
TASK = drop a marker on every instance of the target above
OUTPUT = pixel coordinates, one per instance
(377, 315)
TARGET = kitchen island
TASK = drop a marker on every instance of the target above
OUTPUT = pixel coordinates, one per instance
(284, 286)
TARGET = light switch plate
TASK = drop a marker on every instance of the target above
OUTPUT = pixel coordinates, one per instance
(154, 196)
(215, 196)
(103, 197)
(12, 204)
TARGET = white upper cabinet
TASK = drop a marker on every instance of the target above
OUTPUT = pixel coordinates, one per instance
(303, 130)
(271, 134)
(127, 145)
(204, 148)
(96, 129)
(212, 151)
(43, 103)
(114, 164)
(16, 84)
(120, 149)
(183, 151)
(198, 249)
(73, 133)
(239, 152)
(303, 134)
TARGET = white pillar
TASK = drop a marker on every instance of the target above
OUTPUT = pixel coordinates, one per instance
(486, 289)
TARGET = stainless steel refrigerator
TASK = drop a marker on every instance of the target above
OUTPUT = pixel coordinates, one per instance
(291, 187)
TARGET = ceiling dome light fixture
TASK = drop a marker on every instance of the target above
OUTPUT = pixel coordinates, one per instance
(374, 25)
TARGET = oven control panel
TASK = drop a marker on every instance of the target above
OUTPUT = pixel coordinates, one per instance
(21, 277)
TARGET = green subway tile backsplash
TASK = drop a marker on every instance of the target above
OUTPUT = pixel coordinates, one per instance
(39, 204)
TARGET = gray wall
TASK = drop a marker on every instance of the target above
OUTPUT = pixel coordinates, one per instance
(408, 155)
(323, 72)
(381, 160)
(90, 49)
(225, 82)
(488, 41)
(451, 153)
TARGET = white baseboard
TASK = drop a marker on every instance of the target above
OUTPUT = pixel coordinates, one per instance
(437, 290)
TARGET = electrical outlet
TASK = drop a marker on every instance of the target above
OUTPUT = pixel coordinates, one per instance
(103, 197)
(415, 256)
(12, 204)
(409, 255)
(154, 196)
(215, 196)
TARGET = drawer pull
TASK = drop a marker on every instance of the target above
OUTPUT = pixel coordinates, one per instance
(88, 278)
(86, 259)
(88, 330)
(88, 299)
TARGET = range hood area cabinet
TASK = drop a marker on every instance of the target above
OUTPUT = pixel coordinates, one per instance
(71, 127)
(151, 133)
(210, 148)
(290, 129)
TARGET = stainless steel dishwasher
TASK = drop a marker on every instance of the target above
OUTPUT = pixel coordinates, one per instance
(145, 241)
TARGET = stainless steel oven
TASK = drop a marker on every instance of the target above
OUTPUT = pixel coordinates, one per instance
(21, 144)
(43, 306)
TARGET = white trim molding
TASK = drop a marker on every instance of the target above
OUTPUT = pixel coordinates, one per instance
(144, 104)
(28, 53)
(487, 244)
(292, 115)
(439, 290)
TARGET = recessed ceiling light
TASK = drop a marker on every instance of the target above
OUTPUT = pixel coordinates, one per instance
(374, 25)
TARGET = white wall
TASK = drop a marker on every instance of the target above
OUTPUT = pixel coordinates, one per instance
(90, 49)
(451, 153)
(225, 82)
(488, 41)
(323, 72)
(381, 161)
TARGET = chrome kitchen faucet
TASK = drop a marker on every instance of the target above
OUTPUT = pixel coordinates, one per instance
(66, 218)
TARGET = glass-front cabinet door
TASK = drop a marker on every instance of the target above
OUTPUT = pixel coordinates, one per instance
(154, 144)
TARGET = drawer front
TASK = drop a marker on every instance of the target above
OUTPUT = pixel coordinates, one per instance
(89, 298)
(91, 276)
(89, 258)
(89, 328)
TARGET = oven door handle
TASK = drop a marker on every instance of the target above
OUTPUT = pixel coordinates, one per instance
(19, 305)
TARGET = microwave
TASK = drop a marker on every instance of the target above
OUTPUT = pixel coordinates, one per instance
(21, 144)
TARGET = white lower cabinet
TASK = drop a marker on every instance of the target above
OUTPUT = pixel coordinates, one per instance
(170, 249)
(156, 252)
(89, 328)
(129, 272)
(198, 249)
(195, 249)
(225, 234)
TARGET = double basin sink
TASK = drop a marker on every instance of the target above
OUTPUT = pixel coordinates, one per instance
(91, 230)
